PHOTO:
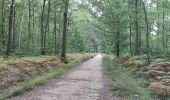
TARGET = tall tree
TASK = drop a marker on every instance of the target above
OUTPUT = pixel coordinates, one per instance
(29, 25)
(55, 28)
(65, 26)
(130, 27)
(1, 28)
(10, 28)
(33, 22)
(47, 22)
(137, 42)
(43, 29)
(147, 30)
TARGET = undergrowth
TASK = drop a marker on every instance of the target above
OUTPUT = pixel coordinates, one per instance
(46, 77)
(39, 81)
(123, 82)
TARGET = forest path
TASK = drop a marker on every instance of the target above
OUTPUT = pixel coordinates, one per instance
(86, 82)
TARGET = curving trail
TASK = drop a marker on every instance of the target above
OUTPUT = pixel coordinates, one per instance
(86, 82)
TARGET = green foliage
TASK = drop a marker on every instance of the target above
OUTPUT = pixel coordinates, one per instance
(124, 83)
(25, 43)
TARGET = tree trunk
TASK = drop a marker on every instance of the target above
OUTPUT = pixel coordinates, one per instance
(47, 22)
(137, 51)
(147, 30)
(1, 28)
(43, 30)
(20, 32)
(2, 19)
(10, 28)
(163, 28)
(29, 25)
(3, 22)
(55, 28)
(64, 39)
(33, 23)
(166, 39)
(14, 30)
(118, 44)
(158, 25)
(130, 39)
(130, 29)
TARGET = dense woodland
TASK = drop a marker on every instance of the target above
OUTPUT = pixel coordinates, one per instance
(33, 27)
(37, 36)
(123, 27)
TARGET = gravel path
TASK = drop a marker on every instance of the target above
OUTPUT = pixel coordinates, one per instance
(86, 82)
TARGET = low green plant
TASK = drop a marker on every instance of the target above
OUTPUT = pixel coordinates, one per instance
(123, 82)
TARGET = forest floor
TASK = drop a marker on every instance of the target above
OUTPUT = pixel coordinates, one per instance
(86, 82)
(129, 78)
(134, 79)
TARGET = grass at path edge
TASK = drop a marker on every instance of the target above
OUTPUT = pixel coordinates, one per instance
(42, 80)
(123, 82)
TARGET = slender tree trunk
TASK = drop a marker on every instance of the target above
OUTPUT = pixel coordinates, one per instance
(163, 28)
(1, 46)
(130, 39)
(158, 25)
(20, 32)
(130, 29)
(10, 28)
(147, 30)
(14, 29)
(166, 36)
(47, 22)
(59, 38)
(42, 29)
(3, 22)
(33, 23)
(29, 25)
(64, 39)
(137, 29)
(55, 28)
(118, 44)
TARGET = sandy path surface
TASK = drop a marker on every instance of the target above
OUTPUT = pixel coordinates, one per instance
(86, 82)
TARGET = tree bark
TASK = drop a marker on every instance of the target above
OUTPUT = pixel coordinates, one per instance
(64, 39)
(147, 30)
(118, 44)
(137, 44)
(29, 25)
(33, 23)
(47, 22)
(2, 19)
(130, 29)
(55, 28)
(10, 28)
(3, 22)
(14, 30)
(1, 28)
(158, 25)
(163, 28)
(130, 39)
(20, 32)
(43, 30)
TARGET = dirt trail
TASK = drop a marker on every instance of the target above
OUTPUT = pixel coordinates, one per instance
(86, 82)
